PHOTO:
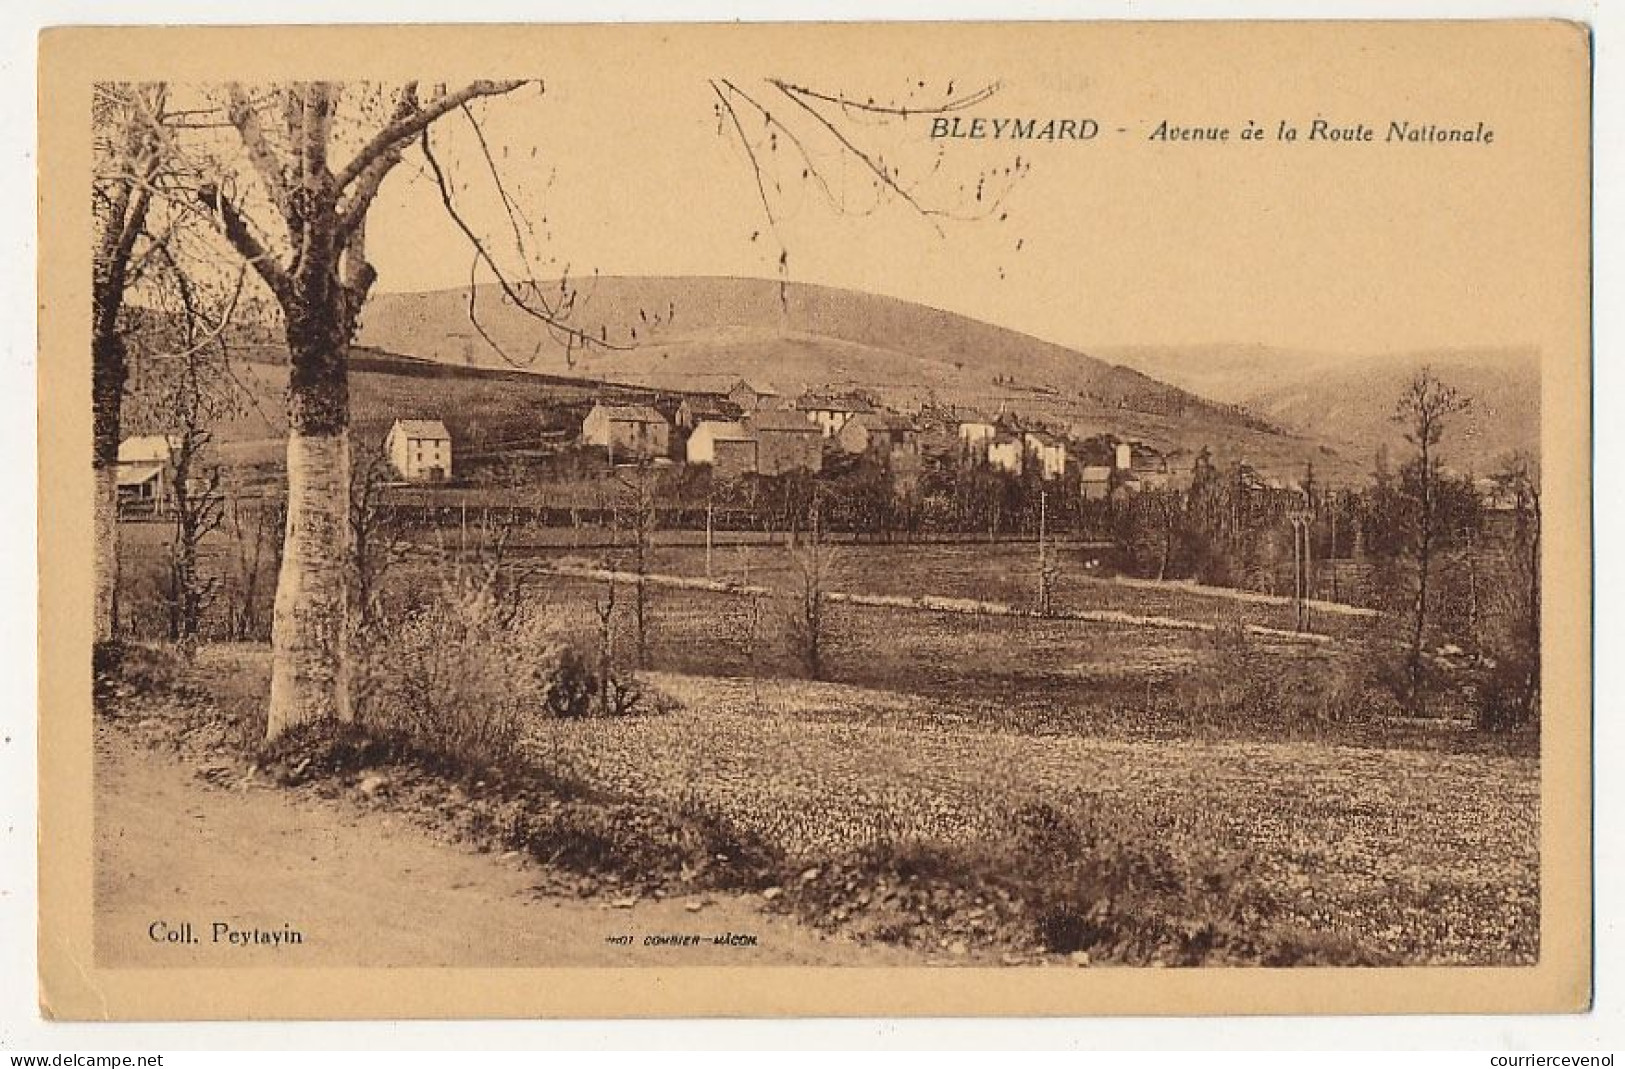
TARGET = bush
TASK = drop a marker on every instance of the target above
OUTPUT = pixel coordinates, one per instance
(1095, 883)
(120, 669)
(1089, 881)
(1092, 887)
(459, 677)
(577, 690)
(1508, 695)
(574, 686)
(1254, 684)
(644, 844)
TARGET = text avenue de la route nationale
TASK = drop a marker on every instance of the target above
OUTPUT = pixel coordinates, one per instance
(1400, 131)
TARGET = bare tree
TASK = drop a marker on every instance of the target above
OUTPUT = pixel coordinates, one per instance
(182, 386)
(1511, 694)
(813, 561)
(605, 609)
(376, 536)
(643, 519)
(254, 524)
(303, 231)
(127, 121)
(1424, 411)
(192, 405)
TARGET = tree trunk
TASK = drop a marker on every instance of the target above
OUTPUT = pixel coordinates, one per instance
(106, 535)
(310, 659)
(310, 654)
(109, 370)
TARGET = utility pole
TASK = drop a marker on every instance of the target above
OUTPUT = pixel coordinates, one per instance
(1331, 503)
(708, 507)
(1302, 520)
(1043, 554)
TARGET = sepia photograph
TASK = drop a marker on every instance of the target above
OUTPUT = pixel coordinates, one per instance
(1045, 502)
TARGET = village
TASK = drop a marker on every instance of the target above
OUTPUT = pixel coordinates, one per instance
(753, 429)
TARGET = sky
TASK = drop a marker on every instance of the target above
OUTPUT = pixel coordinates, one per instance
(619, 159)
(617, 154)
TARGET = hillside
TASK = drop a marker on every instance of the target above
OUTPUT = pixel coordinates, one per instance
(1350, 399)
(705, 333)
(488, 412)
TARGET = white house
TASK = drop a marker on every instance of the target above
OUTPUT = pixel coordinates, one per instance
(1048, 452)
(976, 433)
(831, 414)
(727, 446)
(420, 449)
(145, 470)
(702, 444)
(1004, 451)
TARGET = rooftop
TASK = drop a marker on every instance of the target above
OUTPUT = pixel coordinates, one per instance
(817, 403)
(724, 430)
(423, 430)
(788, 422)
(631, 413)
(147, 448)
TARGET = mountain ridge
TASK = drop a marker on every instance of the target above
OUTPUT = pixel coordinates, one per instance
(1350, 398)
(704, 332)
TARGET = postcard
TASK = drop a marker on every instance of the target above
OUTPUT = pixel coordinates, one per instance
(815, 519)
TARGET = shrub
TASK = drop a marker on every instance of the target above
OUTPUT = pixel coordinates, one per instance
(577, 690)
(1310, 688)
(462, 675)
(458, 677)
(120, 669)
(1059, 881)
(643, 843)
(1508, 694)
(1095, 883)
(571, 691)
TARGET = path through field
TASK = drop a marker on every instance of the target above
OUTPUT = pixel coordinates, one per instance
(363, 887)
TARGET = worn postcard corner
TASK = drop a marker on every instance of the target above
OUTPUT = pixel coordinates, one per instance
(1000, 519)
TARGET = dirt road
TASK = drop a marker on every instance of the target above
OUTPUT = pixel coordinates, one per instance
(190, 874)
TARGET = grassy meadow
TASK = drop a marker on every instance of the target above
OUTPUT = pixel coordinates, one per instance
(1284, 763)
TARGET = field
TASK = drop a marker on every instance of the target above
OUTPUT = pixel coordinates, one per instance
(1004, 572)
(1419, 856)
(1409, 841)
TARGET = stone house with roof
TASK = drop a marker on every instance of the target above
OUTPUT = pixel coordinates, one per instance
(629, 432)
(419, 449)
(785, 442)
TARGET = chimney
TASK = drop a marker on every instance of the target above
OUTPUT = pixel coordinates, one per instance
(1125, 456)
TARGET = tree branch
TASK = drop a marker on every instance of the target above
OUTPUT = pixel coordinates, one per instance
(969, 100)
(874, 166)
(321, 99)
(243, 240)
(545, 314)
(812, 168)
(402, 130)
(371, 177)
(240, 110)
(750, 153)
